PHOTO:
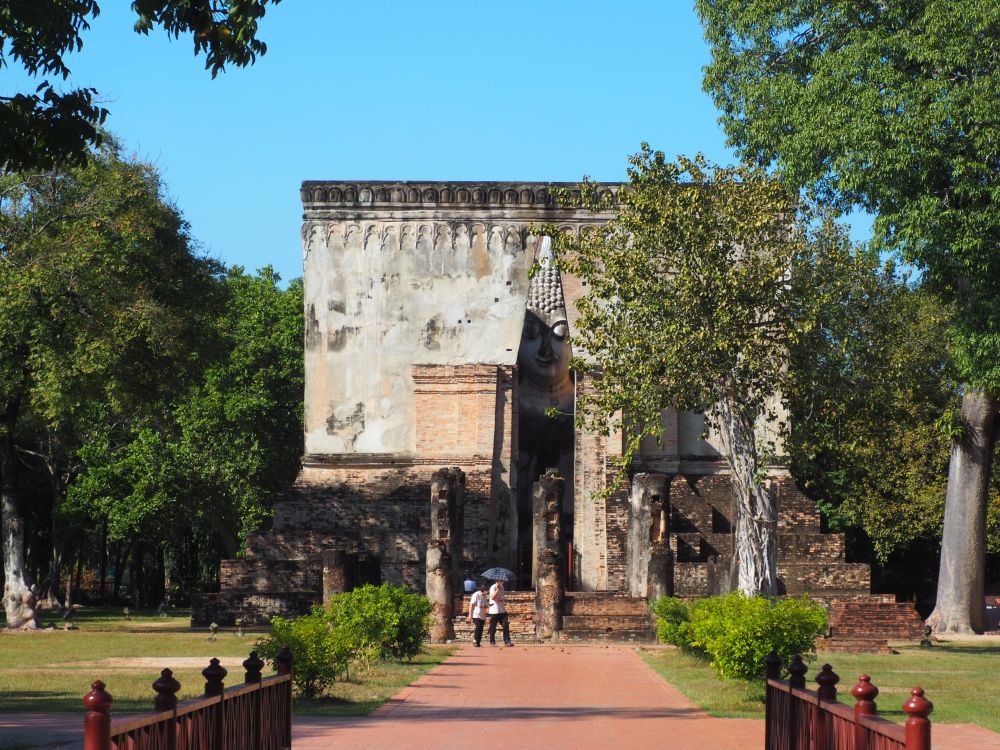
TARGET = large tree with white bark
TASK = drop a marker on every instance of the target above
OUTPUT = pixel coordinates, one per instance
(892, 107)
(696, 291)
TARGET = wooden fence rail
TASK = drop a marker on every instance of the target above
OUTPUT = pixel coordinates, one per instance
(801, 719)
(256, 715)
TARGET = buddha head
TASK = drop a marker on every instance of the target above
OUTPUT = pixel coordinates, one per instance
(544, 354)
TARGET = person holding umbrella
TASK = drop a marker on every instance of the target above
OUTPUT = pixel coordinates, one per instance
(498, 613)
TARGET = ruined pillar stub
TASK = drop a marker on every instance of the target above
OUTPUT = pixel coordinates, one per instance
(440, 592)
(660, 578)
(448, 515)
(549, 590)
(334, 573)
(546, 515)
(649, 509)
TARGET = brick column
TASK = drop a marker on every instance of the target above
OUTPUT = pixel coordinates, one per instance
(448, 516)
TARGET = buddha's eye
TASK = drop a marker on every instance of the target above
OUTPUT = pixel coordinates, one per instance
(530, 329)
(560, 330)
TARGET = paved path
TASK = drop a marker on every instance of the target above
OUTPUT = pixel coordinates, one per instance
(536, 696)
(531, 696)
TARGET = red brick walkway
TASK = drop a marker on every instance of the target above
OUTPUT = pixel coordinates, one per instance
(536, 696)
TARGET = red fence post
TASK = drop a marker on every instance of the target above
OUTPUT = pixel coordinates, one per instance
(97, 722)
(864, 695)
(166, 688)
(827, 680)
(214, 674)
(283, 663)
(918, 726)
(252, 667)
(796, 679)
(772, 671)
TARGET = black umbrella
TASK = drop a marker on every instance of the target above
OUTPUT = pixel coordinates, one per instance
(498, 574)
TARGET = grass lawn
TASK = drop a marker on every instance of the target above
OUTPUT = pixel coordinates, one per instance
(52, 670)
(958, 677)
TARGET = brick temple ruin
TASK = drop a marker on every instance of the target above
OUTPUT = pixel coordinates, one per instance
(428, 344)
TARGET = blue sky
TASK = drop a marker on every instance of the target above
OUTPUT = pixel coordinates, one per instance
(545, 90)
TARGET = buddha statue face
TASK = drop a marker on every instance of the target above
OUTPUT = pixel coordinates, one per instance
(543, 356)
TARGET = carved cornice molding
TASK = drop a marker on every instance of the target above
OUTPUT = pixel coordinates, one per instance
(535, 196)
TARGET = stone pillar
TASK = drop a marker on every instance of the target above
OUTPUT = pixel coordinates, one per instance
(440, 592)
(548, 594)
(660, 579)
(448, 516)
(648, 500)
(548, 564)
(546, 518)
(334, 573)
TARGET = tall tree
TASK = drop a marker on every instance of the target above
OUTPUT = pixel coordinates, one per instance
(892, 107)
(45, 126)
(97, 287)
(867, 389)
(696, 290)
(217, 454)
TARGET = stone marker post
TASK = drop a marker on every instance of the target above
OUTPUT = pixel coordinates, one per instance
(548, 570)
(440, 592)
(444, 551)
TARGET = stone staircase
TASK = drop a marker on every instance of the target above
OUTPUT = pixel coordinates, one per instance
(605, 616)
(866, 624)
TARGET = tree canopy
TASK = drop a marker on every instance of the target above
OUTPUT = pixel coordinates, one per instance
(893, 107)
(696, 291)
(46, 126)
(150, 401)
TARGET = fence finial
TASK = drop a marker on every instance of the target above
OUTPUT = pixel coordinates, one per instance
(827, 680)
(214, 674)
(253, 666)
(772, 665)
(797, 672)
(865, 693)
(166, 688)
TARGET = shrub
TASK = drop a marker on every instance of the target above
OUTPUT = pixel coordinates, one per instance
(671, 615)
(381, 622)
(736, 632)
(318, 651)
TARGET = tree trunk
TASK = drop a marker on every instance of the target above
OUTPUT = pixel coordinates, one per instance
(18, 596)
(226, 536)
(961, 607)
(755, 554)
(104, 561)
(54, 593)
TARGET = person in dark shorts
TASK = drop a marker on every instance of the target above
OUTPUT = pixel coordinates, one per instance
(477, 613)
(498, 614)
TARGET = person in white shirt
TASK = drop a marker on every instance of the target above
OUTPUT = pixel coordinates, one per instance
(477, 613)
(498, 614)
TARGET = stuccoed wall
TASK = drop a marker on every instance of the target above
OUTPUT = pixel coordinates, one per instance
(403, 273)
